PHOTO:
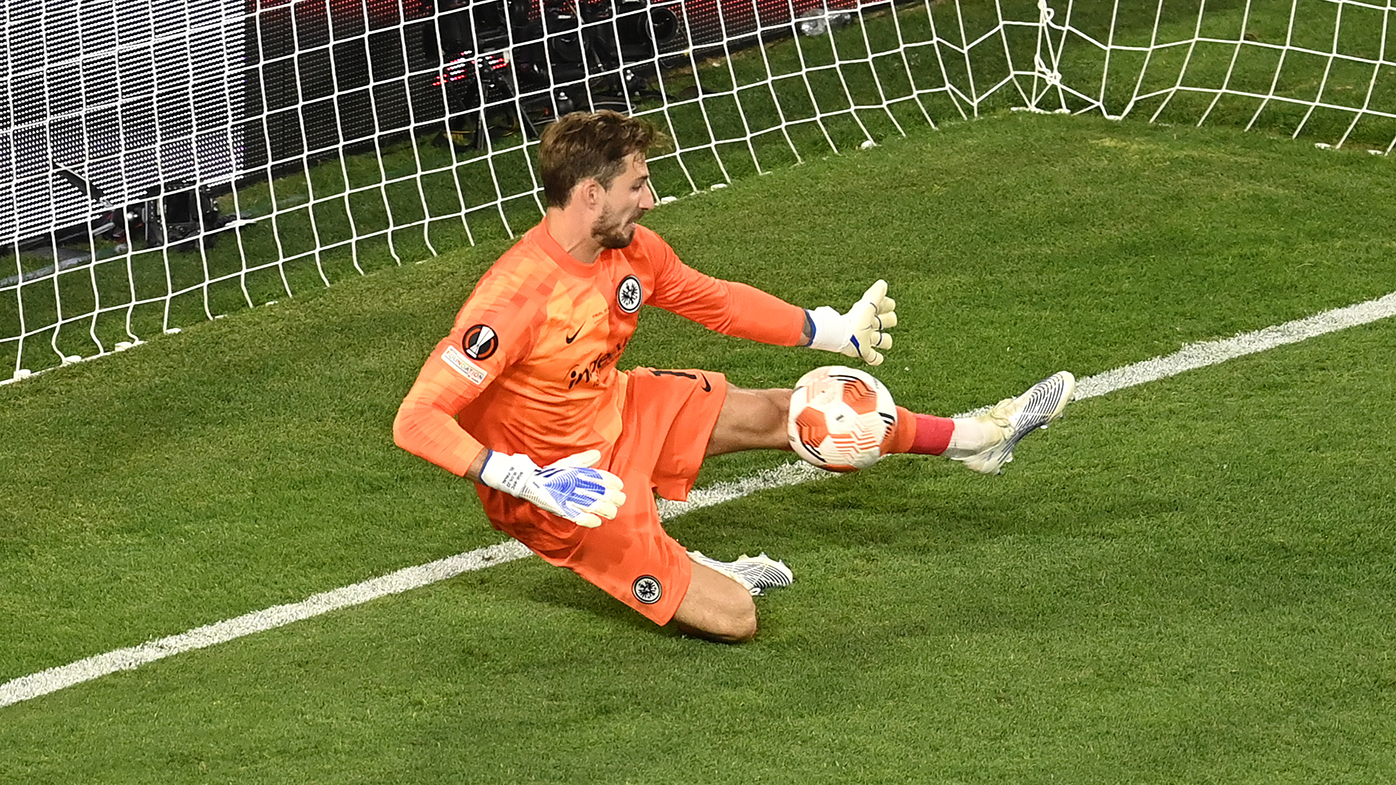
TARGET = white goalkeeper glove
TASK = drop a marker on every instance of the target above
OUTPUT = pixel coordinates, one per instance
(858, 333)
(569, 488)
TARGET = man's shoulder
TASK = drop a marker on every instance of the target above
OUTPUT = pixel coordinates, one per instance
(525, 250)
(525, 264)
(648, 237)
(518, 282)
(648, 249)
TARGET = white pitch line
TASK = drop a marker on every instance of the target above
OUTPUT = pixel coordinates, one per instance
(44, 682)
(1190, 357)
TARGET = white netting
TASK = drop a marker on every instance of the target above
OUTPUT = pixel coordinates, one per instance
(169, 161)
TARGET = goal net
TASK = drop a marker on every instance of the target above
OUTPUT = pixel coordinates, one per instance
(166, 162)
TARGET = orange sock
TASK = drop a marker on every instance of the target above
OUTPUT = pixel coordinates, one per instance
(920, 434)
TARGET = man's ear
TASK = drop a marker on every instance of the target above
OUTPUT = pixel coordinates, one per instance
(590, 192)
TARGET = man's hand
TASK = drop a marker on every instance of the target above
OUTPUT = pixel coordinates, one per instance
(569, 488)
(858, 333)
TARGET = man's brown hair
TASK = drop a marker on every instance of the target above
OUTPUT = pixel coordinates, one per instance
(593, 145)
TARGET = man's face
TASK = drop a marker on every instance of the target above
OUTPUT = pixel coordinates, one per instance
(627, 199)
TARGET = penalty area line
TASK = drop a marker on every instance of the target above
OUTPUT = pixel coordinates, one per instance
(1190, 357)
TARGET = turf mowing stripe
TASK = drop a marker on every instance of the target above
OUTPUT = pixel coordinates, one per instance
(1191, 356)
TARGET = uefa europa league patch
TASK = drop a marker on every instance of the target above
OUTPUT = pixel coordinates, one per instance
(479, 342)
(647, 589)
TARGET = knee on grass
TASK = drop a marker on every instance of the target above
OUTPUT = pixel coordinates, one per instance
(725, 629)
(717, 607)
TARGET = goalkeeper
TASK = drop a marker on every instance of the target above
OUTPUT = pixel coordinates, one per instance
(567, 452)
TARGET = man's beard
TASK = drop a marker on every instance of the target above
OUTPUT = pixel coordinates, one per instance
(610, 232)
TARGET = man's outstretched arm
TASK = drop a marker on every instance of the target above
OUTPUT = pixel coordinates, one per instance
(744, 311)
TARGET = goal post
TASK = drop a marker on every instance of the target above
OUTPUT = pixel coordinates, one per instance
(170, 161)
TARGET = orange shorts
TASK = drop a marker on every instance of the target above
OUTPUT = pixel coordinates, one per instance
(667, 419)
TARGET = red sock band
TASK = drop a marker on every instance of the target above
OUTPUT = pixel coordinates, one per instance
(932, 434)
(921, 434)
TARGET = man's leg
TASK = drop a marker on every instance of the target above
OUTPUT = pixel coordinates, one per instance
(751, 420)
(717, 608)
(756, 419)
(720, 608)
(984, 443)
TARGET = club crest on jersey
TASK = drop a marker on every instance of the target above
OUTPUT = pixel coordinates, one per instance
(647, 589)
(630, 295)
(480, 342)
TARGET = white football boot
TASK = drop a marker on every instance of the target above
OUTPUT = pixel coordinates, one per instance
(756, 573)
(1039, 406)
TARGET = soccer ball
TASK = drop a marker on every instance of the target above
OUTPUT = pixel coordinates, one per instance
(839, 418)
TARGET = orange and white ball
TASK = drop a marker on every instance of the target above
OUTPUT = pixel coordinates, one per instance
(839, 418)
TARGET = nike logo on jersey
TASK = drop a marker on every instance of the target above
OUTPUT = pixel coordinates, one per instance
(594, 319)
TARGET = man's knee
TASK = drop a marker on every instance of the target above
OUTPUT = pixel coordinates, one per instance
(717, 608)
(729, 630)
(739, 624)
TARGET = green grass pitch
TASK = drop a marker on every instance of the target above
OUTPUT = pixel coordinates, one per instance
(1186, 581)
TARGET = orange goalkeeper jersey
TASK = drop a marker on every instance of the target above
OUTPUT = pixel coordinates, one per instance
(530, 366)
